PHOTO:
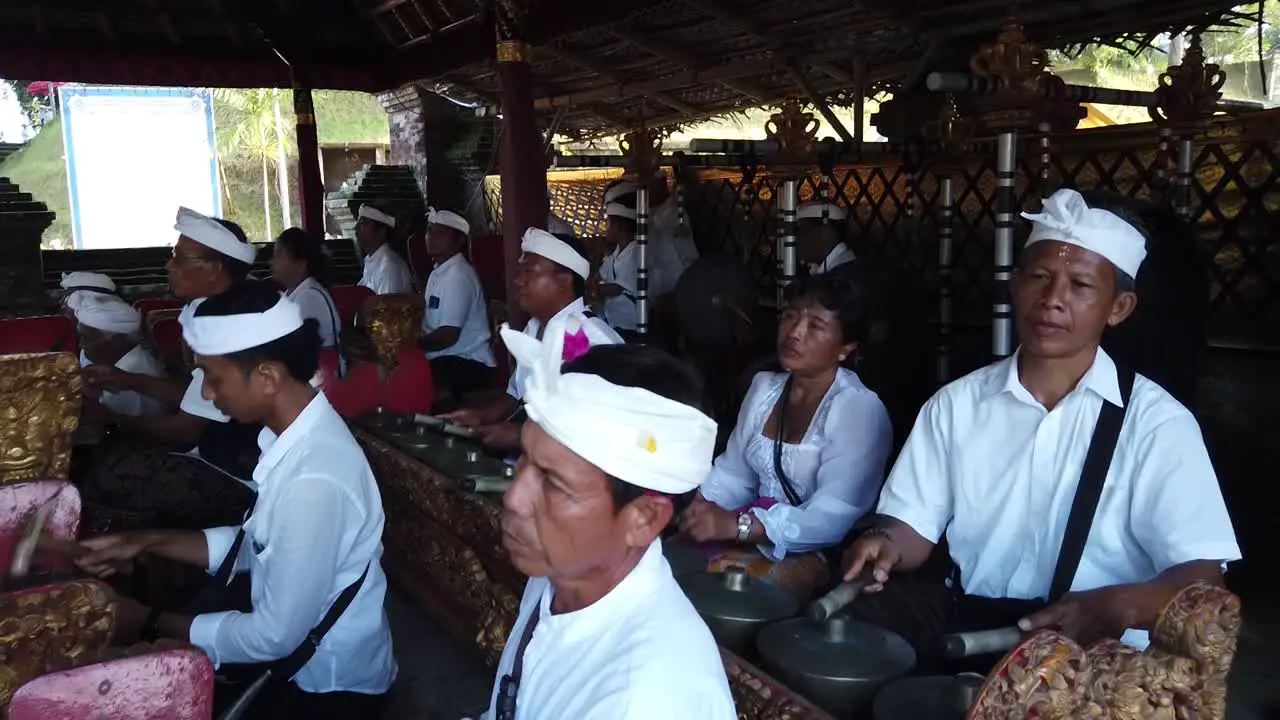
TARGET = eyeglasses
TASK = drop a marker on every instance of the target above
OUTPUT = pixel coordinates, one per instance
(185, 258)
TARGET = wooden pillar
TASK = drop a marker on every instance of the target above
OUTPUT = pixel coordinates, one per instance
(310, 186)
(524, 170)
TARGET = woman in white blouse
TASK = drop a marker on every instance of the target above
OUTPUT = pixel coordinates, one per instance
(297, 265)
(807, 457)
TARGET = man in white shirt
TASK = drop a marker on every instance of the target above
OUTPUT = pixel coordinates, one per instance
(617, 278)
(455, 325)
(604, 631)
(551, 279)
(109, 330)
(671, 247)
(312, 542)
(820, 237)
(996, 460)
(191, 468)
(385, 272)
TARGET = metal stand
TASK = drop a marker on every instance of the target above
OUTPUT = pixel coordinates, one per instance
(1182, 181)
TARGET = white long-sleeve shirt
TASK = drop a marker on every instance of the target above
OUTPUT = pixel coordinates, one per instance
(619, 268)
(316, 304)
(386, 273)
(641, 652)
(316, 527)
(836, 469)
(995, 470)
(139, 361)
(597, 330)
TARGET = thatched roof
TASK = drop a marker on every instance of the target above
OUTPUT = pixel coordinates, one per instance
(597, 66)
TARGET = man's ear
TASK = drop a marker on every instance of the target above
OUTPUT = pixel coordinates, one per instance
(1122, 307)
(273, 376)
(646, 517)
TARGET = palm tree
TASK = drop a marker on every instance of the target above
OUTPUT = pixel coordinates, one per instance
(254, 130)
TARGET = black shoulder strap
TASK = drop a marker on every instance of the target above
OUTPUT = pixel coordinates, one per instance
(793, 497)
(1089, 490)
(285, 668)
(509, 685)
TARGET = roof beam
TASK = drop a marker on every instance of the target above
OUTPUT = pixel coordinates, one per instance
(682, 58)
(731, 15)
(589, 63)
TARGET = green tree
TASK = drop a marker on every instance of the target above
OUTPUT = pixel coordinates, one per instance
(252, 130)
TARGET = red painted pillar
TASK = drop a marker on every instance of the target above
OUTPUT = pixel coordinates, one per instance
(310, 188)
(524, 169)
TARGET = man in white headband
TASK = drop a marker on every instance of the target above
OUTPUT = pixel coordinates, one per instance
(455, 325)
(385, 272)
(671, 246)
(617, 278)
(820, 237)
(79, 285)
(110, 329)
(310, 545)
(208, 479)
(551, 279)
(604, 631)
(997, 460)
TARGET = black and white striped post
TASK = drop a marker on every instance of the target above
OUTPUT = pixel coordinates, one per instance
(1182, 180)
(1006, 204)
(946, 259)
(642, 261)
(787, 199)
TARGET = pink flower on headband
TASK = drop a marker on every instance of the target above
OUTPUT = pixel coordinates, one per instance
(575, 345)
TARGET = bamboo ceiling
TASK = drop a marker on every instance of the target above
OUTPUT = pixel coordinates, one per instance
(597, 67)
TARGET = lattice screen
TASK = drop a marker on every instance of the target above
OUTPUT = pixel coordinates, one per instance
(1235, 188)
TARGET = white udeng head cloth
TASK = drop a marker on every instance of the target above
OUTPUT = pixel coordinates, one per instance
(449, 220)
(370, 212)
(225, 334)
(618, 210)
(813, 211)
(540, 242)
(1067, 218)
(108, 313)
(210, 233)
(632, 434)
(619, 190)
(87, 280)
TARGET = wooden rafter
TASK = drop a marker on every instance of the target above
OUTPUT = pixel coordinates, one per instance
(690, 62)
(731, 15)
(596, 66)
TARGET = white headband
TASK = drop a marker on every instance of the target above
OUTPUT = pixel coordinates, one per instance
(1067, 218)
(372, 213)
(448, 219)
(617, 191)
(813, 211)
(226, 334)
(79, 280)
(541, 242)
(210, 233)
(622, 211)
(108, 314)
(632, 434)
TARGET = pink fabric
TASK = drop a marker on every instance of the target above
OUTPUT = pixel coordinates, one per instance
(165, 685)
(18, 504)
(575, 346)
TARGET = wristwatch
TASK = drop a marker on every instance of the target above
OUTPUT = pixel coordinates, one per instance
(744, 526)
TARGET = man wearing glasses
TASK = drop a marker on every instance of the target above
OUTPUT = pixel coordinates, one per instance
(187, 468)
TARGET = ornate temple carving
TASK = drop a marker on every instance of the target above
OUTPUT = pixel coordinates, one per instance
(39, 411)
(1182, 675)
(393, 320)
(52, 628)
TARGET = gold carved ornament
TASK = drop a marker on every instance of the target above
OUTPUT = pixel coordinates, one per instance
(52, 628)
(1189, 92)
(39, 412)
(643, 149)
(393, 321)
(796, 133)
(950, 134)
(1181, 675)
(1021, 68)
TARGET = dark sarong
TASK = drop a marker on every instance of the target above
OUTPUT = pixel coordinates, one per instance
(136, 486)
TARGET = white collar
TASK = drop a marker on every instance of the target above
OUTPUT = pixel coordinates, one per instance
(578, 305)
(380, 253)
(839, 255)
(454, 259)
(307, 282)
(632, 592)
(1101, 379)
(274, 447)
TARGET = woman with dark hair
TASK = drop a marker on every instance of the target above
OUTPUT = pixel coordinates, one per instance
(807, 456)
(298, 267)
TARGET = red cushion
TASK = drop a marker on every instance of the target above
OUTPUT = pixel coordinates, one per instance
(167, 336)
(18, 504)
(174, 684)
(408, 389)
(349, 299)
(46, 333)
